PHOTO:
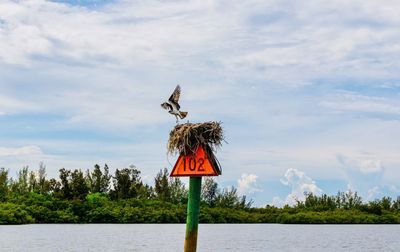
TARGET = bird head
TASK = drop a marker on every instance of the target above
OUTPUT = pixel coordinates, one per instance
(164, 105)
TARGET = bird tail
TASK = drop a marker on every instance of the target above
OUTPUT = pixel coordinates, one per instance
(182, 114)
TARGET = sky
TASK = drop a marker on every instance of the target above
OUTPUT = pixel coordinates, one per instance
(307, 91)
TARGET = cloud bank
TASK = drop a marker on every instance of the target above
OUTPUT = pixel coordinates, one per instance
(300, 184)
(295, 84)
(247, 184)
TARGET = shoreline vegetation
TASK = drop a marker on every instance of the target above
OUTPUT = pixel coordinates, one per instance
(98, 197)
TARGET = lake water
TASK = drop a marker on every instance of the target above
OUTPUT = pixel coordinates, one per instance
(212, 237)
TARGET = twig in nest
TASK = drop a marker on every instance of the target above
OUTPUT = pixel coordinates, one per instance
(186, 138)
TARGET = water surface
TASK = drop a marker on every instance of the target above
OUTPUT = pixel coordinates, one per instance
(212, 237)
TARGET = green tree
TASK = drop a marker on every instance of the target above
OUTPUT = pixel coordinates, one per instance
(43, 184)
(55, 188)
(386, 203)
(374, 207)
(243, 203)
(318, 203)
(178, 191)
(396, 204)
(145, 191)
(99, 181)
(65, 187)
(209, 191)
(162, 185)
(228, 198)
(126, 183)
(32, 184)
(348, 200)
(78, 185)
(21, 184)
(3, 184)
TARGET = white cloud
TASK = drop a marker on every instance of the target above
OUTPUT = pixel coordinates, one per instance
(364, 173)
(365, 163)
(248, 184)
(303, 39)
(121, 33)
(289, 47)
(277, 201)
(373, 193)
(14, 158)
(394, 188)
(265, 66)
(11, 105)
(353, 102)
(300, 183)
(20, 151)
(370, 166)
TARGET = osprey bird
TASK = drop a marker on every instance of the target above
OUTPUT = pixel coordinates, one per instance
(173, 106)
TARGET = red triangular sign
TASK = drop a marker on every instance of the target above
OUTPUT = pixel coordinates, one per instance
(198, 164)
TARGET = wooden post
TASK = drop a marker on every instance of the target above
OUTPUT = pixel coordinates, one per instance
(193, 211)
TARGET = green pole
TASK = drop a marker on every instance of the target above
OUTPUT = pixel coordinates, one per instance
(193, 210)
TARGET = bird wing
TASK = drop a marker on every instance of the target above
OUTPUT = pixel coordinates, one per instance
(175, 96)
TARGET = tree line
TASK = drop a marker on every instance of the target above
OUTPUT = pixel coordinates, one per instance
(342, 208)
(126, 183)
(97, 196)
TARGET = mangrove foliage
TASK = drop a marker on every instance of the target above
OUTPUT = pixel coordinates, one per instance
(97, 196)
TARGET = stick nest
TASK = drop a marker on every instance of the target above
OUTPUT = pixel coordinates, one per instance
(186, 138)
